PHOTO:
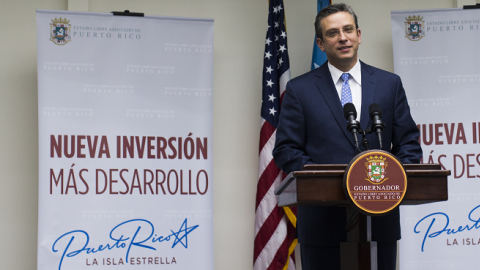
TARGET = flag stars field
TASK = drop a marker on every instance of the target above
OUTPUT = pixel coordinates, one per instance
(272, 111)
(271, 98)
(270, 83)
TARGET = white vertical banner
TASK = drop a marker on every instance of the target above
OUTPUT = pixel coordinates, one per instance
(436, 54)
(125, 141)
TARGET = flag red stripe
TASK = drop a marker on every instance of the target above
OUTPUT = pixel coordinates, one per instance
(266, 231)
(281, 97)
(266, 181)
(266, 132)
(281, 256)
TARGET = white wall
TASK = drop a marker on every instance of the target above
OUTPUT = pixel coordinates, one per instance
(240, 27)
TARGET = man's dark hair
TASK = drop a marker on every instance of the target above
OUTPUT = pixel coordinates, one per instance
(329, 10)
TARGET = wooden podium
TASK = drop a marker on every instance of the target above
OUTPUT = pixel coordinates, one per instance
(322, 185)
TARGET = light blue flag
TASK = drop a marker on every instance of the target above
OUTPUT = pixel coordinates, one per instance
(319, 57)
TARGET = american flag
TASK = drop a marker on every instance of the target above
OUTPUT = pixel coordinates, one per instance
(274, 226)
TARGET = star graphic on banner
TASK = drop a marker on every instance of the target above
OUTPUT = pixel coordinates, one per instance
(181, 235)
(276, 38)
(271, 98)
(270, 83)
(272, 111)
(275, 9)
(277, 24)
(282, 48)
(283, 34)
(279, 8)
(268, 55)
(268, 41)
(269, 69)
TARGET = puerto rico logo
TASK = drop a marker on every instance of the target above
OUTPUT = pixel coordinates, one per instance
(60, 31)
(414, 28)
(376, 169)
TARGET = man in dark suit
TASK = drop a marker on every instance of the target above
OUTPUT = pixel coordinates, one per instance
(313, 130)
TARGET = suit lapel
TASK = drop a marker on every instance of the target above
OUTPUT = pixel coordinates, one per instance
(327, 89)
(369, 83)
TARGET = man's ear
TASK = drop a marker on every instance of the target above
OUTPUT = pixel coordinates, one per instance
(359, 34)
(320, 44)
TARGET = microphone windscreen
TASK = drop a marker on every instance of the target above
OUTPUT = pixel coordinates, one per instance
(349, 108)
(375, 109)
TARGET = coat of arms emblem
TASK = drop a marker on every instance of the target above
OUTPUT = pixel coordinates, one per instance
(414, 28)
(60, 31)
(376, 169)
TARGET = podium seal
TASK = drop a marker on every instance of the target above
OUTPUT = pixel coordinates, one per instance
(375, 182)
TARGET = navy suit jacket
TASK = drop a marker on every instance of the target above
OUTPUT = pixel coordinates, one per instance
(313, 130)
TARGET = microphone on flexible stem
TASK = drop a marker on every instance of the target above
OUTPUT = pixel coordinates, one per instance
(375, 112)
(353, 126)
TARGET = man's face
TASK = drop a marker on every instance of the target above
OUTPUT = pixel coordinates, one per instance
(341, 47)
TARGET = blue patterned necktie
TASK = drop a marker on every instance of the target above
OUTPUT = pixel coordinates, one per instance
(346, 93)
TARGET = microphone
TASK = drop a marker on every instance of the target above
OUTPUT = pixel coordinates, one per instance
(353, 126)
(375, 112)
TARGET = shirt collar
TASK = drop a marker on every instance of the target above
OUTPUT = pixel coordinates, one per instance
(355, 73)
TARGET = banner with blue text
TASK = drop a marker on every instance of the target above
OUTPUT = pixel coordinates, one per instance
(436, 54)
(125, 141)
